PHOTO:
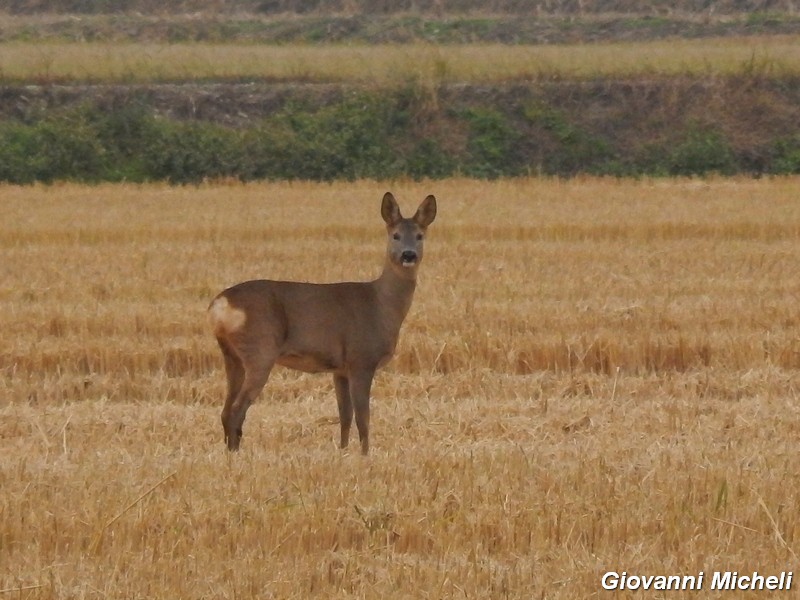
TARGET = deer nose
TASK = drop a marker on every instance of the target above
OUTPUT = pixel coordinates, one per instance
(408, 257)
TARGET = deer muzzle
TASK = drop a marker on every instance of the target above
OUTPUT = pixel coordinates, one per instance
(408, 258)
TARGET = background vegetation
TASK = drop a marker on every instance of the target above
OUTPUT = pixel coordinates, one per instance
(106, 91)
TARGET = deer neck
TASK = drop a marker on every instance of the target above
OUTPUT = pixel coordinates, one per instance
(396, 290)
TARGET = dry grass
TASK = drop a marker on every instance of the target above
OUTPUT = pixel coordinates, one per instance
(595, 375)
(114, 62)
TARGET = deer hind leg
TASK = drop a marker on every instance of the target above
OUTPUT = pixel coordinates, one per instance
(234, 370)
(249, 374)
(342, 386)
(360, 386)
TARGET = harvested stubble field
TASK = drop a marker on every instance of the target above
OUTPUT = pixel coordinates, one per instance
(595, 376)
(775, 55)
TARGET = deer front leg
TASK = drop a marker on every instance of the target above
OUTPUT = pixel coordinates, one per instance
(360, 386)
(342, 386)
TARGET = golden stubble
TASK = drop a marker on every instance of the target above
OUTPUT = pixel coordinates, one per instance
(396, 64)
(595, 375)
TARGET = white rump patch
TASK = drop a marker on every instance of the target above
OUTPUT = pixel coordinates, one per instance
(225, 318)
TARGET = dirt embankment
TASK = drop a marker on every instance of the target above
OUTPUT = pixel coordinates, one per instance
(559, 7)
(744, 107)
(230, 104)
(387, 29)
(353, 21)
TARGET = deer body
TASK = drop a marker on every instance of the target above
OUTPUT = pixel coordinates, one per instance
(348, 329)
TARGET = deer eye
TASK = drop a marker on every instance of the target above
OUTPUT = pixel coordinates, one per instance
(419, 236)
(396, 236)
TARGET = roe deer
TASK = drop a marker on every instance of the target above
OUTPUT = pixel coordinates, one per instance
(348, 329)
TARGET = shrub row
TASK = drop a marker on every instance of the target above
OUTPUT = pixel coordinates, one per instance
(368, 135)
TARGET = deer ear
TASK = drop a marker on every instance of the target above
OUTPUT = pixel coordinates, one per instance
(426, 212)
(390, 211)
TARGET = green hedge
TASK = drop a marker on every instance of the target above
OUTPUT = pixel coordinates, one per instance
(365, 135)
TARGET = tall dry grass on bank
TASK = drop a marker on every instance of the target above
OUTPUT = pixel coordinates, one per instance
(595, 375)
(395, 64)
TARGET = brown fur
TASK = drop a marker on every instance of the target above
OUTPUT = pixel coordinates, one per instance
(347, 329)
